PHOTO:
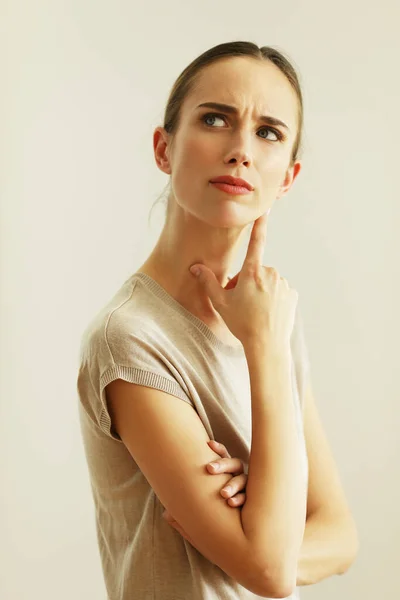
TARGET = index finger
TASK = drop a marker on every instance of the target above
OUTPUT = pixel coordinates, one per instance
(227, 465)
(258, 238)
(219, 448)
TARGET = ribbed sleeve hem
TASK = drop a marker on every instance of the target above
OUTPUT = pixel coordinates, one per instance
(140, 377)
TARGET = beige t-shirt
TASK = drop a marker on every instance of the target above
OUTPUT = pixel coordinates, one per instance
(144, 336)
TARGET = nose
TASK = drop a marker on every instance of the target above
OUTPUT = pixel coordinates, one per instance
(240, 151)
(240, 157)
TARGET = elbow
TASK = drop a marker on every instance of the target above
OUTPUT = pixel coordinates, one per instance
(278, 586)
(350, 556)
(266, 586)
(273, 590)
(352, 547)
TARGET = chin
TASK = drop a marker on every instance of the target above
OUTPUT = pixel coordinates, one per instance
(230, 216)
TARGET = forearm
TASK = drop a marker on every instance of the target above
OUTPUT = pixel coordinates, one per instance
(274, 515)
(329, 547)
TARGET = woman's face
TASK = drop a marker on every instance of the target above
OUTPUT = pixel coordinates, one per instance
(238, 144)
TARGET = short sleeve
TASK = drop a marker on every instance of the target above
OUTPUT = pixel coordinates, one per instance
(134, 356)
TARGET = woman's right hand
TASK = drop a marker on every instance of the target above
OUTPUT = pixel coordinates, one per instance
(257, 303)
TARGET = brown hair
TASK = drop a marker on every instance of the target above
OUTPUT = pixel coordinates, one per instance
(187, 79)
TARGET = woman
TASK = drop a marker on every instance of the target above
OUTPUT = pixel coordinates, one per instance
(233, 352)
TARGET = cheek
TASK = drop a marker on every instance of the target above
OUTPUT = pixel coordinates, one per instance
(274, 168)
(195, 163)
(198, 150)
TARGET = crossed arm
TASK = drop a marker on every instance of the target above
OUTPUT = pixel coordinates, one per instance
(330, 543)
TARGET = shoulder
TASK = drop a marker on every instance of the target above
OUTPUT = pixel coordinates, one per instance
(125, 320)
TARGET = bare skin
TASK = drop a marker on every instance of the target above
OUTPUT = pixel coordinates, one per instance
(235, 496)
(207, 225)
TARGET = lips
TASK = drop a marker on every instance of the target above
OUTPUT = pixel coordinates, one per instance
(232, 181)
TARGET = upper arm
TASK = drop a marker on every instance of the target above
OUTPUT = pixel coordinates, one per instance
(325, 491)
(168, 441)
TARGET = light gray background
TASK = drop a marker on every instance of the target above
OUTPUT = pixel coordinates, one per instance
(84, 85)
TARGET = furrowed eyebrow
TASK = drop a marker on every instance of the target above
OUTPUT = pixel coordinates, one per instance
(233, 110)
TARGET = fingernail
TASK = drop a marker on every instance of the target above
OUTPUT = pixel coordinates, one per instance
(227, 489)
(214, 465)
(195, 271)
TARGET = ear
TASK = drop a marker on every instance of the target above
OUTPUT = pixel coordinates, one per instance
(161, 149)
(290, 176)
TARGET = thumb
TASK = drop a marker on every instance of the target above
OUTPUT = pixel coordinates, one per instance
(210, 283)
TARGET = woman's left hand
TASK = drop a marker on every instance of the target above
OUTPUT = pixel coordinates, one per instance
(237, 494)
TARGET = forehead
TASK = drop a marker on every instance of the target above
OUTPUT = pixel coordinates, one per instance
(248, 84)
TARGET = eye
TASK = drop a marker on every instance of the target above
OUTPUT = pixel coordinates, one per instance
(278, 134)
